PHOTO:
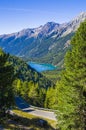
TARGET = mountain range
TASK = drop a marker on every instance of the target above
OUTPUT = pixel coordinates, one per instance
(47, 43)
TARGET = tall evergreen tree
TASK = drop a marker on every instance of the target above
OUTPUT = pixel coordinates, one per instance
(6, 80)
(72, 87)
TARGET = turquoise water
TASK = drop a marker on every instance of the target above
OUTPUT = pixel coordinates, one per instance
(41, 67)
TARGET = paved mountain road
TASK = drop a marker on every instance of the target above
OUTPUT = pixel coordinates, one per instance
(34, 111)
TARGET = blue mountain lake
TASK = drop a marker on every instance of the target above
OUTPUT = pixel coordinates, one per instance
(41, 67)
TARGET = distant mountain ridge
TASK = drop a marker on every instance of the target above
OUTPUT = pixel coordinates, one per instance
(46, 43)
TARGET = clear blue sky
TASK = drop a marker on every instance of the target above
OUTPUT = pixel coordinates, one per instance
(16, 15)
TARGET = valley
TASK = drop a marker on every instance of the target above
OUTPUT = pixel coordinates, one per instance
(43, 77)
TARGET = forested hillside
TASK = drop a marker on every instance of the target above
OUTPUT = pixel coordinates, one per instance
(55, 53)
(28, 82)
(26, 73)
(52, 43)
(69, 95)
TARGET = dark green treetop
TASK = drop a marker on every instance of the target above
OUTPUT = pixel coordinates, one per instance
(6, 80)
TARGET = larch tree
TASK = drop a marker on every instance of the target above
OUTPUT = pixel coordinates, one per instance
(72, 86)
(6, 80)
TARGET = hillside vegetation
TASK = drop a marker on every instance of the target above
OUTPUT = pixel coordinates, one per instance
(69, 95)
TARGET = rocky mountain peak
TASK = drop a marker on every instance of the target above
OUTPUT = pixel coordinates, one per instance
(48, 28)
(33, 42)
(80, 18)
(73, 25)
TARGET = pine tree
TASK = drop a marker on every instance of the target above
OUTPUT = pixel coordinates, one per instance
(72, 87)
(50, 101)
(6, 80)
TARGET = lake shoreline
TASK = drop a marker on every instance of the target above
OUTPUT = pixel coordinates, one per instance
(40, 67)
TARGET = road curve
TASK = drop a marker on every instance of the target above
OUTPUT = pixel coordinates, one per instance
(23, 105)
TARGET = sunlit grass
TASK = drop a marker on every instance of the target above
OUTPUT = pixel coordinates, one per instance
(23, 120)
(30, 116)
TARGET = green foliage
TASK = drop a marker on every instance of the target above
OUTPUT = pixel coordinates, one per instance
(26, 73)
(53, 75)
(31, 85)
(71, 92)
(50, 101)
(6, 80)
(32, 93)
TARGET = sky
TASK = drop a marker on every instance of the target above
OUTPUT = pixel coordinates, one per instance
(16, 15)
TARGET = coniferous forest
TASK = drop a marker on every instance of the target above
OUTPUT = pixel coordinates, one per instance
(67, 95)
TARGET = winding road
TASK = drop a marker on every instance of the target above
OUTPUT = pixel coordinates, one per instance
(23, 105)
